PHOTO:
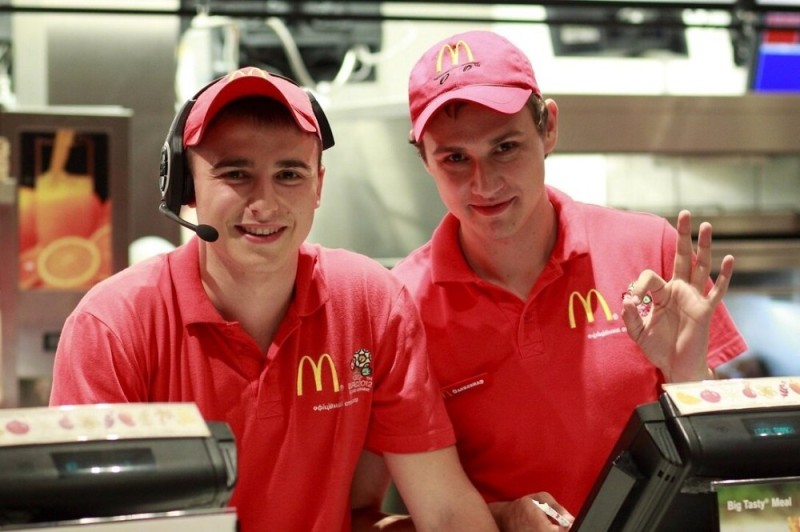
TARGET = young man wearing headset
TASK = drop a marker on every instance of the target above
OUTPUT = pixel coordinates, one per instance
(314, 357)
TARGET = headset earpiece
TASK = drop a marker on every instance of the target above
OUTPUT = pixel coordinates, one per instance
(175, 182)
(325, 132)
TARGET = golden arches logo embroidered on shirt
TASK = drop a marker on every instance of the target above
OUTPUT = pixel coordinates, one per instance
(586, 304)
(317, 366)
(454, 54)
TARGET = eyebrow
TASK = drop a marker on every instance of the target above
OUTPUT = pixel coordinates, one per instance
(247, 163)
(503, 137)
(294, 163)
(236, 161)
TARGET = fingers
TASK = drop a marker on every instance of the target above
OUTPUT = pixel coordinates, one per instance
(649, 282)
(634, 323)
(697, 270)
(638, 301)
(547, 504)
(543, 496)
(702, 267)
(722, 282)
(683, 256)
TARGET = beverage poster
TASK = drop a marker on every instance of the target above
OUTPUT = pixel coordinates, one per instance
(764, 506)
(64, 210)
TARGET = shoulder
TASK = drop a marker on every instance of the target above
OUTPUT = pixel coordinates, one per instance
(415, 269)
(134, 288)
(347, 270)
(600, 218)
(617, 239)
(637, 221)
(607, 225)
(343, 262)
(357, 287)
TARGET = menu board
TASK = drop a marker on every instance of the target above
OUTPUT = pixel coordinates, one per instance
(766, 506)
(656, 2)
(778, 3)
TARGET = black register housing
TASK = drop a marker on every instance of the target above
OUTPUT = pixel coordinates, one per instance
(661, 475)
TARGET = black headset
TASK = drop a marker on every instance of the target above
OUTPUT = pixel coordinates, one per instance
(175, 181)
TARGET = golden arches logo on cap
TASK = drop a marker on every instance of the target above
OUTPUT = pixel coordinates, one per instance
(453, 53)
(484, 68)
(247, 71)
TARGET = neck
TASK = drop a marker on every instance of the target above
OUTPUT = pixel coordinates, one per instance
(513, 263)
(257, 301)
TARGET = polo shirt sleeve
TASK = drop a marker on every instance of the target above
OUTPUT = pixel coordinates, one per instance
(408, 413)
(92, 366)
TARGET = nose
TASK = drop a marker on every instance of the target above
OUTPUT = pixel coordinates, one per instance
(263, 197)
(486, 179)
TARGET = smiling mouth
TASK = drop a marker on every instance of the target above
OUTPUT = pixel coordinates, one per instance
(260, 231)
(493, 208)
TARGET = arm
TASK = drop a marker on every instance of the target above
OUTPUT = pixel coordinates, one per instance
(437, 492)
(674, 334)
(370, 482)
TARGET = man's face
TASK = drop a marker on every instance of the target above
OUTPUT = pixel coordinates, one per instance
(258, 185)
(489, 168)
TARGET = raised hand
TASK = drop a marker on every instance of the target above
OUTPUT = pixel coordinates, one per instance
(672, 328)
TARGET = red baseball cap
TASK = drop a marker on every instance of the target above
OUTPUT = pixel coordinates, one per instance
(476, 66)
(248, 81)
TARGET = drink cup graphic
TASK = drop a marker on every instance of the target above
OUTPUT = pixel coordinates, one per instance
(65, 230)
(66, 204)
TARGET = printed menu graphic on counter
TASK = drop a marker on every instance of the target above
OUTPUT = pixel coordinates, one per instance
(762, 506)
(734, 394)
(64, 210)
(65, 424)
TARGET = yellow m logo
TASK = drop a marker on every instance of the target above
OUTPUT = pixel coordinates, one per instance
(316, 368)
(453, 53)
(587, 306)
(250, 71)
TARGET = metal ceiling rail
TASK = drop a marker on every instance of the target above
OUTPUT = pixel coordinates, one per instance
(744, 13)
(347, 9)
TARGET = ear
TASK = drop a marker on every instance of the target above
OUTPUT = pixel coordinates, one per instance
(188, 178)
(551, 130)
(320, 179)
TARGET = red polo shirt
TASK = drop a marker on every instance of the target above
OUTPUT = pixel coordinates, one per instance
(346, 370)
(539, 390)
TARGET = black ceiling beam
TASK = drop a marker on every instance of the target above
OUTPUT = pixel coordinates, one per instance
(745, 13)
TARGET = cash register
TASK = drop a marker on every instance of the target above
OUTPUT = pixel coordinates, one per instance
(718, 455)
(61, 465)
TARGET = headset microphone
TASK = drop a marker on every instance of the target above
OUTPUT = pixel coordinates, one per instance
(206, 232)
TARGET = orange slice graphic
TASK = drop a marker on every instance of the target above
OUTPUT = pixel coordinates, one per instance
(68, 262)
